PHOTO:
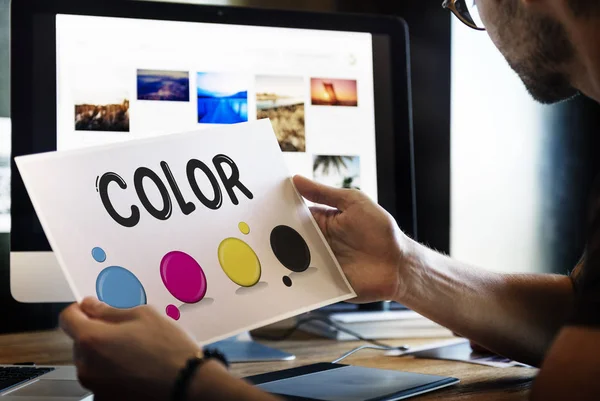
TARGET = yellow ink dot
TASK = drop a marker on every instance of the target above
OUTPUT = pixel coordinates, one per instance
(239, 262)
(244, 228)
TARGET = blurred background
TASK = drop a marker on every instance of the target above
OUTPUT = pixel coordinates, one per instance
(501, 181)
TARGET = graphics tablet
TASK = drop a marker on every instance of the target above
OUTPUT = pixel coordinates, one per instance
(337, 382)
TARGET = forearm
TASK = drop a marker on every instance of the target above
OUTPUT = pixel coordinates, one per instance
(213, 382)
(516, 315)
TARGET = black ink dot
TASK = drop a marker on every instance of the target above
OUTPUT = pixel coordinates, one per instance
(290, 248)
(287, 281)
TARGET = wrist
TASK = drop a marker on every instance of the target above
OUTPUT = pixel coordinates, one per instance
(202, 382)
(410, 266)
(195, 367)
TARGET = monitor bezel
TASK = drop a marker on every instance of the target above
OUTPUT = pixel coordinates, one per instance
(395, 154)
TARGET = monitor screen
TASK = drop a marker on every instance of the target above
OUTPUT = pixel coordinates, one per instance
(336, 88)
(125, 78)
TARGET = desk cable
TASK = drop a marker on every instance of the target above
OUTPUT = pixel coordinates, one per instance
(373, 344)
(347, 354)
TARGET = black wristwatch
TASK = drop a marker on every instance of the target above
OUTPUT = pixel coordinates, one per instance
(185, 374)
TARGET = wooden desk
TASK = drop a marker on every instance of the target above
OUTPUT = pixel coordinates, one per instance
(477, 382)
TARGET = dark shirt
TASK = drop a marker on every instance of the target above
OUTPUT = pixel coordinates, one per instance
(586, 276)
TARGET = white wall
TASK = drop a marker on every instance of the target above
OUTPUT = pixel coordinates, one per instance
(496, 137)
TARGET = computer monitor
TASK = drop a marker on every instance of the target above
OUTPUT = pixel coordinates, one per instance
(336, 88)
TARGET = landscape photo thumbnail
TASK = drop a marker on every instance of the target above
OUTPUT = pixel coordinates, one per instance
(222, 98)
(281, 99)
(101, 99)
(163, 85)
(102, 117)
(333, 92)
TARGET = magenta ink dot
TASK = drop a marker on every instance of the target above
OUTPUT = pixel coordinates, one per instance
(173, 312)
(183, 277)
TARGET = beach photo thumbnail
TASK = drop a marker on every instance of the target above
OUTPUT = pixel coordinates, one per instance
(281, 99)
(163, 85)
(222, 98)
(337, 171)
(333, 92)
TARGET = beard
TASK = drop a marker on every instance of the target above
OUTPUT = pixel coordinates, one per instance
(547, 87)
(541, 67)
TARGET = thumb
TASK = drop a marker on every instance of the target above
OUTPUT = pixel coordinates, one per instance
(101, 311)
(75, 322)
(323, 194)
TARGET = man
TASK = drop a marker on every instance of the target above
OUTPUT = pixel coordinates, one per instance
(550, 321)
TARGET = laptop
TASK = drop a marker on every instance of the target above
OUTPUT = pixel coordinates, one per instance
(41, 383)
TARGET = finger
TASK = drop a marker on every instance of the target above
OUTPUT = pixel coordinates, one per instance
(74, 321)
(323, 194)
(323, 211)
(96, 309)
(323, 215)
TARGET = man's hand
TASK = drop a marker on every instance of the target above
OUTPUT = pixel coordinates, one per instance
(515, 315)
(364, 237)
(136, 354)
(126, 353)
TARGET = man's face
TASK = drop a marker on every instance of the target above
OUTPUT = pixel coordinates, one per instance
(536, 47)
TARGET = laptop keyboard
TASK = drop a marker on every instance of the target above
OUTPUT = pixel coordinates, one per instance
(13, 375)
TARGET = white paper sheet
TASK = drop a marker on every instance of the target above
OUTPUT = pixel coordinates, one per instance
(190, 259)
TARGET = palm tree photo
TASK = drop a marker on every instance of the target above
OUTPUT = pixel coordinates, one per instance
(327, 162)
(337, 171)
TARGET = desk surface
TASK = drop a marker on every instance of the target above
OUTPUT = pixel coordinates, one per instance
(477, 382)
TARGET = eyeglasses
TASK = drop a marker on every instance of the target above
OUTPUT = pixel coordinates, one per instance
(466, 11)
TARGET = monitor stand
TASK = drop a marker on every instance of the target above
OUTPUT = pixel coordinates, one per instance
(242, 348)
(374, 321)
(373, 313)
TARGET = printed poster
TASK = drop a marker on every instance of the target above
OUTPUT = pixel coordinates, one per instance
(206, 226)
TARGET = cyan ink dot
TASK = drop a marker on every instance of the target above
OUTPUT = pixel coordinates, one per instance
(98, 254)
(120, 288)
